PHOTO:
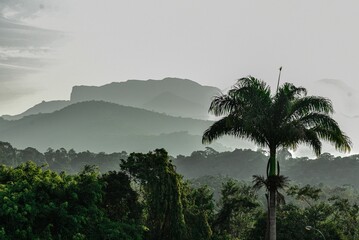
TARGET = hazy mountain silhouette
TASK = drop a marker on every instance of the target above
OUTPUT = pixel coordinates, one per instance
(102, 126)
(173, 96)
(43, 107)
(174, 105)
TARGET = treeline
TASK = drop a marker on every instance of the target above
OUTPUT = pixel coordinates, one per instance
(60, 160)
(244, 163)
(147, 199)
(240, 164)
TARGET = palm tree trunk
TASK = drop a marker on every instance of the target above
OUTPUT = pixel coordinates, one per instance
(272, 171)
(272, 194)
(267, 225)
(272, 214)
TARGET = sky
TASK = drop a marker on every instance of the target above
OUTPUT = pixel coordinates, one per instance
(48, 46)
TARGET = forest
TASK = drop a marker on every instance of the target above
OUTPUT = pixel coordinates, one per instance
(239, 164)
(62, 194)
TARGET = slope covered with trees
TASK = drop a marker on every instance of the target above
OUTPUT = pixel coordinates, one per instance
(102, 126)
(244, 163)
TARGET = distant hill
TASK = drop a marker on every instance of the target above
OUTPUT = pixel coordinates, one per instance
(43, 107)
(102, 126)
(171, 96)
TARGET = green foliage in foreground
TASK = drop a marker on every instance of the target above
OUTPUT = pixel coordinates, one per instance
(37, 204)
(174, 210)
(148, 200)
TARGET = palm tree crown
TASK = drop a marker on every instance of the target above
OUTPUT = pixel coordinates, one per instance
(285, 119)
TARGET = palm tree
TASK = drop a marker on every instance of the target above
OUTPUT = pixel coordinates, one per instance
(281, 120)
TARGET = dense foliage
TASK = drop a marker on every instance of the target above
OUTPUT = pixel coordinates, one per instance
(244, 163)
(60, 160)
(147, 199)
(38, 204)
(239, 164)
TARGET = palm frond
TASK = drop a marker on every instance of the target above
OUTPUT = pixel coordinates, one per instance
(252, 82)
(218, 129)
(310, 129)
(224, 104)
(290, 91)
(311, 138)
(278, 182)
(307, 105)
(259, 182)
(273, 182)
(249, 92)
(301, 135)
(339, 139)
(234, 125)
(282, 101)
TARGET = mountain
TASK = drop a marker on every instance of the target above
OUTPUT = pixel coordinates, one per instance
(43, 107)
(174, 105)
(173, 96)
(102, 126)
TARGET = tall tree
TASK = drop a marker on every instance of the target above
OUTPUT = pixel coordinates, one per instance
(162, 193)
(281, 120)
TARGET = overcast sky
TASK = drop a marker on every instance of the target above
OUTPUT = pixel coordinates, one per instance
(46, 47)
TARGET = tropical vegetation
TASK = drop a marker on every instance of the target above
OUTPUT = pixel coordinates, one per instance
(148, 199)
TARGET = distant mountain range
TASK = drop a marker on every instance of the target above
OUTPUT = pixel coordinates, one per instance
(43, 107)
(139, 116)
(131, 116)
(171, 96)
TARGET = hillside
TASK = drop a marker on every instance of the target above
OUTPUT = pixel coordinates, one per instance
(43, 107)
(102, 126)
(244, 163)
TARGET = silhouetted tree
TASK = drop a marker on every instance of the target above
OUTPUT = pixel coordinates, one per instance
(285, 119)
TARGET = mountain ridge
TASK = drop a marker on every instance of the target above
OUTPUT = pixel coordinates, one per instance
(194, 97)
(109, 127)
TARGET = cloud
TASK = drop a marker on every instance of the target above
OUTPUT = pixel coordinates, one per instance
(19, 67)
(12, 74)
(11, 85)
(25, 52)
(21, 9)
